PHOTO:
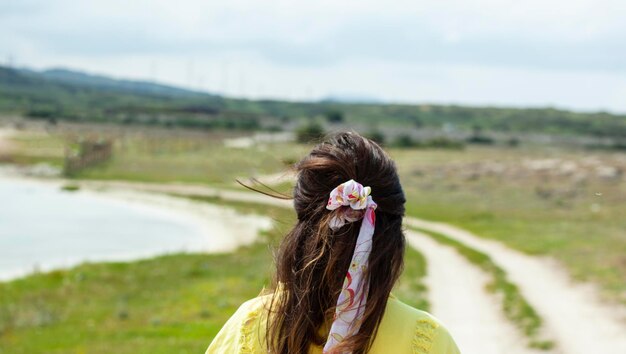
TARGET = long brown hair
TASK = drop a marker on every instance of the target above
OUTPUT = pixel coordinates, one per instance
(312, 260)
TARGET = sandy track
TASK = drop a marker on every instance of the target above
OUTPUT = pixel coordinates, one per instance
(458, 297)
(573, 315)
(196, 190)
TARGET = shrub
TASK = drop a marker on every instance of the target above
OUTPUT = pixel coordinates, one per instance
(444, 143)
(309, 133)
(513, 141)
(404, 141)
(480, 139)
(334, 116)
(376, 136)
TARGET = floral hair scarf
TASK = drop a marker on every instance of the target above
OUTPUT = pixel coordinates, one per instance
(354, 203)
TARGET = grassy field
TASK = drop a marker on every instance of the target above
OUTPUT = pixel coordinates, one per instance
(567, 204)
(542, 200)
(545, 200)
(169, 304)
(157, 155)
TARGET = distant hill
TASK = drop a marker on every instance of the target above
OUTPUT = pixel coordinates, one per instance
(106, 83)
(62, 94)
(345, 98)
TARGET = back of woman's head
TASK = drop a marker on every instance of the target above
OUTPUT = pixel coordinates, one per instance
(313, 259)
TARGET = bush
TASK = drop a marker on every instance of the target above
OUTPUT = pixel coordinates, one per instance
(274, 128)
(376, 136)
(42, 112)
(444, 143)
(404, 141)
(334, 116)
(513, 141)
(70, 187)
(480, 139)
(309, 133)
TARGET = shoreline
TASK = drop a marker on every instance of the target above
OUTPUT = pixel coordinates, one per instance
(220, 229)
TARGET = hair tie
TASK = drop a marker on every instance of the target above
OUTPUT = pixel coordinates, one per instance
(355, 203)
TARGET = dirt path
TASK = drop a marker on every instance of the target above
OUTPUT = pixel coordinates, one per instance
(458, 297)
(196, 190)
(573, 315)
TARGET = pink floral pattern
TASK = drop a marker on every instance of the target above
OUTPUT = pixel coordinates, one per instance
(349, 194)
(354, 203)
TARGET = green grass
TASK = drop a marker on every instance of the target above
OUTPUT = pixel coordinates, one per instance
(169, 304)
(70, 187)
(411, 288)
(155, 155)
(575, 217)
(514, 305)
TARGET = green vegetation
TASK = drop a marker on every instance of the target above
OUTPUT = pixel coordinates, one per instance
(473, 169)
(405, 141)
(169, 304)
(410, 288)
(564, 203)
(70, 187)
(567, 204)
(309, 133)
(69, 96)
(561, 202)
(377, 136)
(334, 116)
(514, 305)
(158, 155)
(479, 137)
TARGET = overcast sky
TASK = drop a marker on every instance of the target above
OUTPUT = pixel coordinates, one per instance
(567, 54)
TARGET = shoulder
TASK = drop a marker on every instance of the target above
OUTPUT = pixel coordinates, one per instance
(242, 332)
(256, 304)
(252, 309)
(413, 331)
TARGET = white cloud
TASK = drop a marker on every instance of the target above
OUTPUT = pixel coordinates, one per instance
(564, 53)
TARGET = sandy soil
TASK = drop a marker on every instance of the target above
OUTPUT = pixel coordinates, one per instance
(573, 315)
(187, 189)
(224, 228)
(458, 298)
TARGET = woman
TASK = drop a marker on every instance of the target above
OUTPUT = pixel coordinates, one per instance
(336, 268)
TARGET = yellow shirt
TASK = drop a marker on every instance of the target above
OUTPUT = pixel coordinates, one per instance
(403, 329)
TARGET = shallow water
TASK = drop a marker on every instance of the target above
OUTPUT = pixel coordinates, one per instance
(43, 227)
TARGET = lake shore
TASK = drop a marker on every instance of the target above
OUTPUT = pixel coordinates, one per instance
(214, 228)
